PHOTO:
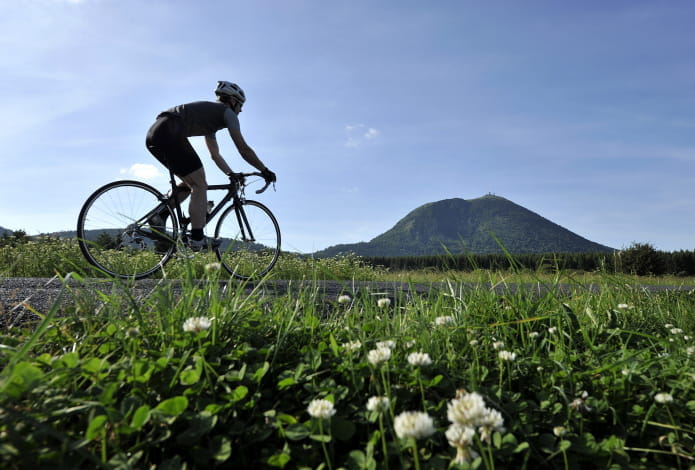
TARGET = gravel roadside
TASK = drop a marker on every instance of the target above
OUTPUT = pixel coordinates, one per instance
(21, 297)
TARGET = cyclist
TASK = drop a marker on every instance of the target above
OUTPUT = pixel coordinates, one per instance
(167, 140)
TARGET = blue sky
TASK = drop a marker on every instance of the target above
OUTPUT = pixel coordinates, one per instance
(579, 111)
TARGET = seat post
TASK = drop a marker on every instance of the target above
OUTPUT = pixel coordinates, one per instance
(172, 180)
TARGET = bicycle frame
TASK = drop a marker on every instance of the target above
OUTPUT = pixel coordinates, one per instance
(235, 193)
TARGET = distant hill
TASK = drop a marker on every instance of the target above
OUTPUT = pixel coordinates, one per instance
(468, 226)
(5, 230)
(64, 234)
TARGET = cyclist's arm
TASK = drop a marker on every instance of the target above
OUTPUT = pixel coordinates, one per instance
(245, 151)
(214, 149)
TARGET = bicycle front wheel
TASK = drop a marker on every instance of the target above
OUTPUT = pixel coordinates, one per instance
(117, 233)
(249, 240)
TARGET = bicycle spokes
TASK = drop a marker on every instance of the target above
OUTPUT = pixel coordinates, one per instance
(114, 234)
(249, 240)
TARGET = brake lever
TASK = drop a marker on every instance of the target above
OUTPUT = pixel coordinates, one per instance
(264, 187)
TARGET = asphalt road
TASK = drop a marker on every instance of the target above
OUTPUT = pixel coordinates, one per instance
(21, 297)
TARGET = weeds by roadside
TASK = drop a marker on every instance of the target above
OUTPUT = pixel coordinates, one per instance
(462, 378)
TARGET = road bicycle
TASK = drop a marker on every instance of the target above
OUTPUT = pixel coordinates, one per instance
(117, 234)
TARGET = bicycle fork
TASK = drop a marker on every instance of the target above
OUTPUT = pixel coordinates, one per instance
(243, 224)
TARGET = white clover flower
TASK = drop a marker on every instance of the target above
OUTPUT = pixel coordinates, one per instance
(498, 344)
(344, 299)
(623, 306)
(415, 424)
(690, 350)
(383, 303)
(410, 343)
(668, 326)
(212, 267)
(507, 356)
(490, 421)
(552, 330)
(388, 344)
(533, 334)
(444, 320)
(321, 409)
(676, 331)
(461, 438)
(352, 346)
(580, 405)
(419, 359)
(466, 410)
(474, 342)
(378, 404)
(559, 431)
(196, 324)
(663, 398)
(378, 355)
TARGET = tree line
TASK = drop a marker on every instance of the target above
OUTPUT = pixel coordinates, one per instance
(640, 258)
(18, 237)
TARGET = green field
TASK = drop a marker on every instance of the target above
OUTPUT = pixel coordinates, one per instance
(461, 378)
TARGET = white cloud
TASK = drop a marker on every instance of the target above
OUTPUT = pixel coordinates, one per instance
(359, 133)
(142, 170)
(371, 133)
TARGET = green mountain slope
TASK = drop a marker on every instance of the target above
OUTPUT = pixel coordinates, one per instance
(468, 226)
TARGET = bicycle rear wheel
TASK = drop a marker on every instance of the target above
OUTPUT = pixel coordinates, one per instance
(117, 235)
(249, 240)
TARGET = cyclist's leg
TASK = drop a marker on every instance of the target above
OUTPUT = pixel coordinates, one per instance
(190, 169)
(197, 207)
(182, 193)
(166, 141)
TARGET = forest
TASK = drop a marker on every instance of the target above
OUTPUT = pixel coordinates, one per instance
(642, 259)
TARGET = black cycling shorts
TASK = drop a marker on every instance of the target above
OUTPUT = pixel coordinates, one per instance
(165, 140)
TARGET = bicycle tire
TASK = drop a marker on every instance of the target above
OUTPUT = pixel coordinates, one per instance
(113, 235)
(242, 258)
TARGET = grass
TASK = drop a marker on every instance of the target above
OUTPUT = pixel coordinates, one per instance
(531, 276)
(45, 258)
(595, 379)
(48, 256)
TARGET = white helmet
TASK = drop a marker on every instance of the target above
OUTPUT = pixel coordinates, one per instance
(231, 90)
